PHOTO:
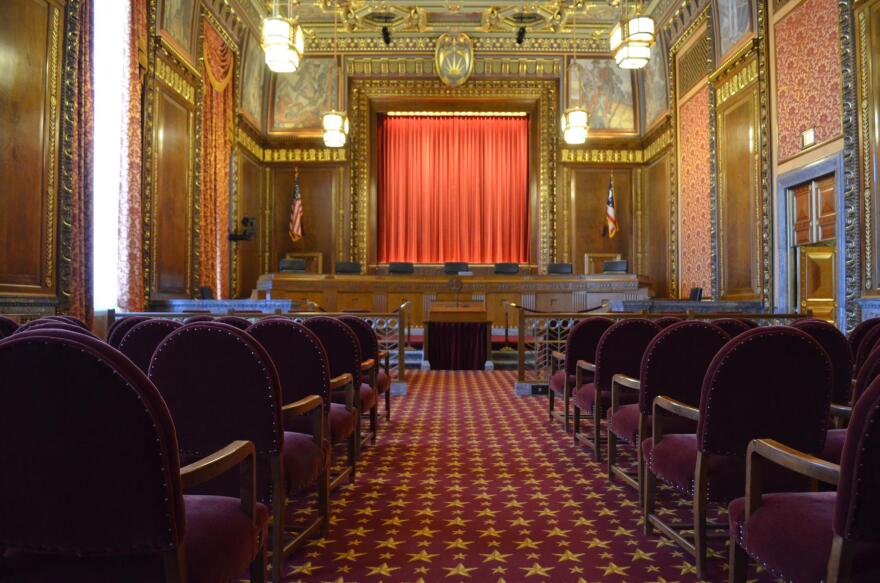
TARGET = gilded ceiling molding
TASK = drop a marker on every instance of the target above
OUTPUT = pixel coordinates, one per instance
(224, 11)
(425, 44)
(249, 143)
(736, 82)
(682, 22)
(169, 75)
(283, 155)
(657, 145)
(851, 194)
(529, 67)
(602, 156)
(867, 149)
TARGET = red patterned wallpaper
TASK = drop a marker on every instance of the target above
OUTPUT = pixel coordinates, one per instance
(808, 75)
(694, 207)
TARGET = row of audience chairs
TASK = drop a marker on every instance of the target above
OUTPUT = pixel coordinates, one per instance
(200, 398)
(725, 411)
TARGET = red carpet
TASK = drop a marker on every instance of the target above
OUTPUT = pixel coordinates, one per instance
(470, 483)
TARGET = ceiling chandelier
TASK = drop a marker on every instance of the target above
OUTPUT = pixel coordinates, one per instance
(631, 39)
(575, 120)
(283, 41)
(334, 124)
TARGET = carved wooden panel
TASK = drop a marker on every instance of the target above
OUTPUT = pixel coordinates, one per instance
(31, 33)
(251, 202)
(657, 222)
(817, 268)
(173, 200)
(739, 219)
(589, 192)
(802, 201)
(358, 301)
(826, 207)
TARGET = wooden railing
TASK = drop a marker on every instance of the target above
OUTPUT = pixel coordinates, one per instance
(540, 333)
(390, 328)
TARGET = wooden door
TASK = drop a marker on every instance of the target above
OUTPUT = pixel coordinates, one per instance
(816, 280)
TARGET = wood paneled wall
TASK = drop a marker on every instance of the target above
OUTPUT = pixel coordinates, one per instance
(588, 188)
(320, 188)
(654, 241)
(252, 202)
(739, 195)
(172, 211)
(30, 97)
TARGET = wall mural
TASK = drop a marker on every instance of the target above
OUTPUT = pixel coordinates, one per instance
(655, 87)
(808, 50)
(734, 23)
(253, 75)
(606, 91)
(694, 183)
(300, 98)
(177, 22)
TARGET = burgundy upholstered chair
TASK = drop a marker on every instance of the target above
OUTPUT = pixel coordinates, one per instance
(220, 384)
(814, 536)
(370, 350)
(772, 382)
(834, 439)
(237, 321)
(835, 344)
(199, 318)
(749, 322)
(7, 326)
(344, 355)
(303, 370)
(141, 341)
(857, 334)
(122, 515)
(733, 326)
(119, 328)
(70, 320)
(667, 321)
(46, 323)
(583, 338)
(869, 343)
(619, 351)
(673, 365)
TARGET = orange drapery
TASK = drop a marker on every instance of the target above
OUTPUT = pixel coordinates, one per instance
(453, 189)
(217, 111)
(131, 295)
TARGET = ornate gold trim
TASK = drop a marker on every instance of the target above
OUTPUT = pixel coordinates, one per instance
(600, 156)
(304, 155)
(657, 145)
(738, 81)
(169, 75)
(867, 148)
(250, 144)
(51, 184)
(417, 66)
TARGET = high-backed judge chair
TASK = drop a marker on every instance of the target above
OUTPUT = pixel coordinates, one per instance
(119, 328)
(869, 343)
(344, 354)
(581, 343)
(673, 365)
(870, 370)
(733, 326)
(455, 267)
(695, 294)
(401, 268)
(772, 382)
(292, 265)
(303, 370)
(619, 351)
(220, 384)
(141, 341)
(560, 269)
(7, 326)
(369, 343)
(858, 333)
(813, 536)
(348, 267)
(506, 268)
(44, 323)
(123, 515)
(667, 321)
(237, 321)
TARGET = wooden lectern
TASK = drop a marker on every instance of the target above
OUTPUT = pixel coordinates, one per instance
(464, 312)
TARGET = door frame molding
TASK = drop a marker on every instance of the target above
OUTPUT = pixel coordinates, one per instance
(783, 264)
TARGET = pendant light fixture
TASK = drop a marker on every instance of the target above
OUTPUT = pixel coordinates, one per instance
(335, 123)
(283, 41)
(575, 120)
(631, 39)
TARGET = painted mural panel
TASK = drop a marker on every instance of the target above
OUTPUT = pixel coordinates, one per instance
(656, 100)
(177, 22)
(694, 184)
(807, 51)
(734, 23)
(253, 74)
(300, 98)
(606, 91)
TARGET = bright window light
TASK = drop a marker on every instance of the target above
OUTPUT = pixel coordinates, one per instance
(111, 52)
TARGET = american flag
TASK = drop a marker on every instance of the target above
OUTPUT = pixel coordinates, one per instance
(610, 217)
(296, 213)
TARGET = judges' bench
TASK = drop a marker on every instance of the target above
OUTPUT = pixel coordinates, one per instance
(378, 293)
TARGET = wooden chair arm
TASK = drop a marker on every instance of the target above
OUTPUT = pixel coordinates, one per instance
(787, 457)
(340, 381)
(301, 407)
(841, 411)
(625, 381)
(587, 366)
(368, 364)
(557, 355)
(221, 461)
(676, 408)
(345, 380)
(382, 354)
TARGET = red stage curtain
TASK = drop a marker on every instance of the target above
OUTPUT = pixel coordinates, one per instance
(453, 189)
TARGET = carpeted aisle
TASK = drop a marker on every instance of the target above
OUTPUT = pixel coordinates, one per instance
(469, 483)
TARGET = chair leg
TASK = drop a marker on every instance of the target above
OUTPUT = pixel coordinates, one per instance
(277, 540)
(650, 494)
(388, 405)
(551, 397)
(374, 422)
(701, 482)
(597, 428)
(565, 402)
(612, 451)
(353, 442)
(840, 561)
(576, 424)
(640, 464)
(324, 501)
(258, 566)
(739, 563)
